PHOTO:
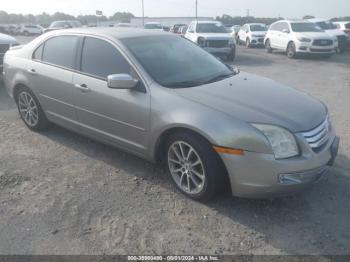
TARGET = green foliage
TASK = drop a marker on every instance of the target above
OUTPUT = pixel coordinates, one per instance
(241, 20)
(46, 19)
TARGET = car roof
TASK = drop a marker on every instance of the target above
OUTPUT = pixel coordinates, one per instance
(208, 22)
(110, 32)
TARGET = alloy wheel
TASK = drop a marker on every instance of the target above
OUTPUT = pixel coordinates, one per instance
(186, 167)
(28, 109)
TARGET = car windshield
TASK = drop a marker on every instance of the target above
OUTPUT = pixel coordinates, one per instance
(161, 58)
(305, 27)
(153, 26)
(256, 28)
(210, 28)
(326, 25)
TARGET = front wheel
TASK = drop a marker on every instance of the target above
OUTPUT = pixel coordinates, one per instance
(247, 43)
(291, 50)
(194, 167)
(30, 110)
(268, 46)
(232, 55)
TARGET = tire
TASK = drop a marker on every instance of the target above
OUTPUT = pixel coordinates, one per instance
(238, 40)
(34, 118)
(231, 57)
(210, 167)
(291, 50)
(247, 43)
(268, 46)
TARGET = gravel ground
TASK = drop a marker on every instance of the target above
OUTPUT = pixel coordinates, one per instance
(61, 193)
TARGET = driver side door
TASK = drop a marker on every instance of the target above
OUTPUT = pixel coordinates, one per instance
(116, 116)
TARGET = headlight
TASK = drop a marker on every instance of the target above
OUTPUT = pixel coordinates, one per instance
(304, 39)
(282, 141)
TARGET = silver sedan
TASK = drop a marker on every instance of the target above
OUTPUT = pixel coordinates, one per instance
(163, 98)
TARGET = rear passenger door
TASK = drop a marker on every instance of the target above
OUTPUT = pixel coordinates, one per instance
(116, 116)
(51, 72)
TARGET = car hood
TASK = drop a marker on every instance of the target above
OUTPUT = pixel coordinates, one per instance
(6, 39)
(335, 32)
(215, 36)
(256, 99)
(315, 35)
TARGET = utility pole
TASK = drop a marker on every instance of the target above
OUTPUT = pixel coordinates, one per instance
(143, 14)
(196, 10)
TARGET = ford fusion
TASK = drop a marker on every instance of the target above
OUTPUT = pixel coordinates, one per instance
(165, 99)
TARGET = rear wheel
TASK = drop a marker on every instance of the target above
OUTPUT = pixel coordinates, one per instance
(268, 46)
(30, 110)
(194, 167)
(291, 50)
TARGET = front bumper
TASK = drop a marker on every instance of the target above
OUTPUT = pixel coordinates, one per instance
(308, 48)
(257, 41)
(220, 50)
(257, 175)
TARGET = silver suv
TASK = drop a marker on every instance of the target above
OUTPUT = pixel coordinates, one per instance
(163, 98)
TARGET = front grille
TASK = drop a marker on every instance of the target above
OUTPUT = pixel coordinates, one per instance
(322, 42)
(4, 48)
(217, 43)
(318, 136)
(261, 40)
(341, 38)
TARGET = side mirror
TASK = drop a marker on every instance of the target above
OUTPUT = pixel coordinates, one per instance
(121, 81)
(286, 31)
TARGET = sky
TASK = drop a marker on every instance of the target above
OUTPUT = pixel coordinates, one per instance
(210, 8)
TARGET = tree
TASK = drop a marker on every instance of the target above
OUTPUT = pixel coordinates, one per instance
(308, 17)
(124, 17)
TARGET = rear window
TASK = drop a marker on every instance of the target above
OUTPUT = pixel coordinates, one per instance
(305, 27)
(60, 51)
(210, 28)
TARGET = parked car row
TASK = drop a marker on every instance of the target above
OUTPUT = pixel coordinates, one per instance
(22, 29)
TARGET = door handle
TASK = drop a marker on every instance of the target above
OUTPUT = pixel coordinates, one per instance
(32, 71)
(84, 88)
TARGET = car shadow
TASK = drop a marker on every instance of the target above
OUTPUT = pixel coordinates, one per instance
(313, 222)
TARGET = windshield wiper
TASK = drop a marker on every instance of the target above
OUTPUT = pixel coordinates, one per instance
(184, 84)
(219, 77)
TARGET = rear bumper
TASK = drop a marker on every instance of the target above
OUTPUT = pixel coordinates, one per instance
(257, 175)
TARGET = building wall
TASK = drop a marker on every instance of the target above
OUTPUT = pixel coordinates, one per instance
(167, 21)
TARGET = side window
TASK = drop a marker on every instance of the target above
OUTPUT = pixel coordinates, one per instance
(60, 51)
(101, 59)
(38, 53)
(284, 26)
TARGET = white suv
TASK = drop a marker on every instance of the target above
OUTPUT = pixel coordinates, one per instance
(30, 30)
(213, 37)
(299, 37)
(332, 30)
(252, 34)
